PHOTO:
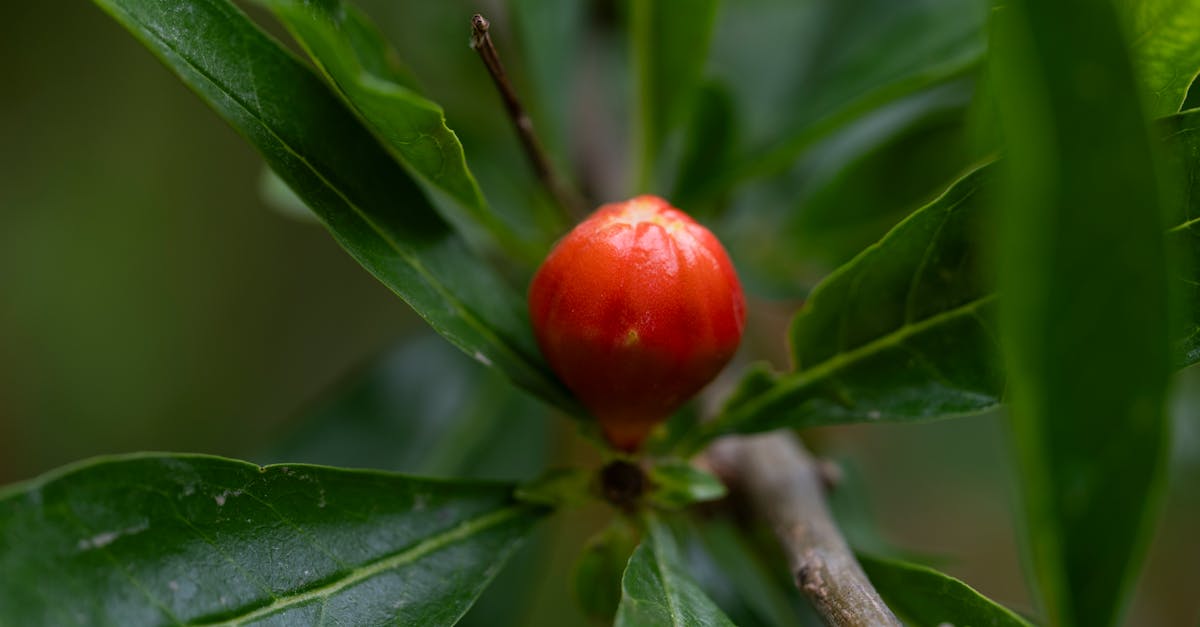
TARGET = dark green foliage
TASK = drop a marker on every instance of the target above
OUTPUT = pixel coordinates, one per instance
(163, 539)
(811, 136)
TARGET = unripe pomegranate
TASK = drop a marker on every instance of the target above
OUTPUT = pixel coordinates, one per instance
(636, 309)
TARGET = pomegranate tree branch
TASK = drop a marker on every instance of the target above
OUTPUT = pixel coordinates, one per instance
(783, 485)
(481, 41)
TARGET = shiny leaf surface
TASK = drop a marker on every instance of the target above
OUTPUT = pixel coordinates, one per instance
(906, 332)
(1165, 40)
(368, 202)
(657, 591)
(357, 61)
(1081, 213)
(923, 597)
(930, 344)
(901, 333)
(169, 539)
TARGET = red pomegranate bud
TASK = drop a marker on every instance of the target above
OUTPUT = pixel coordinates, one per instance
(636, 309)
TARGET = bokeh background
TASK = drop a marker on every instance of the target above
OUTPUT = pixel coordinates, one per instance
(150, 299)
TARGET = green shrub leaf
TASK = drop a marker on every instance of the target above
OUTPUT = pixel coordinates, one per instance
(353, 55)
(550, 34)
(168, 539)
(1085, 315)
(368, 202)
(829, 64)
(923, 597)
(670, 45)
(596, 577)
(906, 331)
(657, 591)
(1165, 39)
(677, 484)
(901, 333)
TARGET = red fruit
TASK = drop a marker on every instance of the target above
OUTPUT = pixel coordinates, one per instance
(636, 309)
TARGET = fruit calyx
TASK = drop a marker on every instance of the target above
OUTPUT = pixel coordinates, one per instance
(636, 309)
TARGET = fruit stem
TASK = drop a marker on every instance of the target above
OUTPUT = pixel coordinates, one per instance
(568, 202)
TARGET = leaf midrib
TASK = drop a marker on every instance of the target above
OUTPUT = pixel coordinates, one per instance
(467, 314)
(798, 382)
(462, 531)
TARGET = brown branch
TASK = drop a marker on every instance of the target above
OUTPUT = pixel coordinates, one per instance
(783, 485)
(481, 41)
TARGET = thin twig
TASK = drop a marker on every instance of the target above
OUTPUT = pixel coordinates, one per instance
(481, 41)
(782, 483)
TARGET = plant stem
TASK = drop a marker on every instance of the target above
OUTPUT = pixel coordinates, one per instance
(782, 483)
(481, 41)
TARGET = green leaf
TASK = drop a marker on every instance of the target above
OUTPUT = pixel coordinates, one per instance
(558, 488)
(750, 590)
(861, 183)
(1182, 137)
(904, 332)
(550, 34)
(828, 64)
(596, 577)
(677, 484)
(1165, 39)
(848, 190)
(368, 202)
(670, 47)
(901, 333)
(424, 408)
(357, 61)
(656, 589)
(1085, 320)
(169, 539)
(923, 597)
(709, 145)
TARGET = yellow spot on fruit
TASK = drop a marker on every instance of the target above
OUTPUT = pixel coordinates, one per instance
(632, 338)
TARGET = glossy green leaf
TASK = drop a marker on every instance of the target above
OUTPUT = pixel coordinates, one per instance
(901, 333)
(368, 202)
(1181, 135)
(424, 408)
(670, 47)
(170, 539)
(596, 577)
(657, 591)
(923, 597)
(905, 332)
(1081, 216)
(357, 61)
(819, 66)
(678, 484)
(1165, 40)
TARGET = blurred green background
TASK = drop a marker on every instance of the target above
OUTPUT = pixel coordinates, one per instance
(150, 300)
